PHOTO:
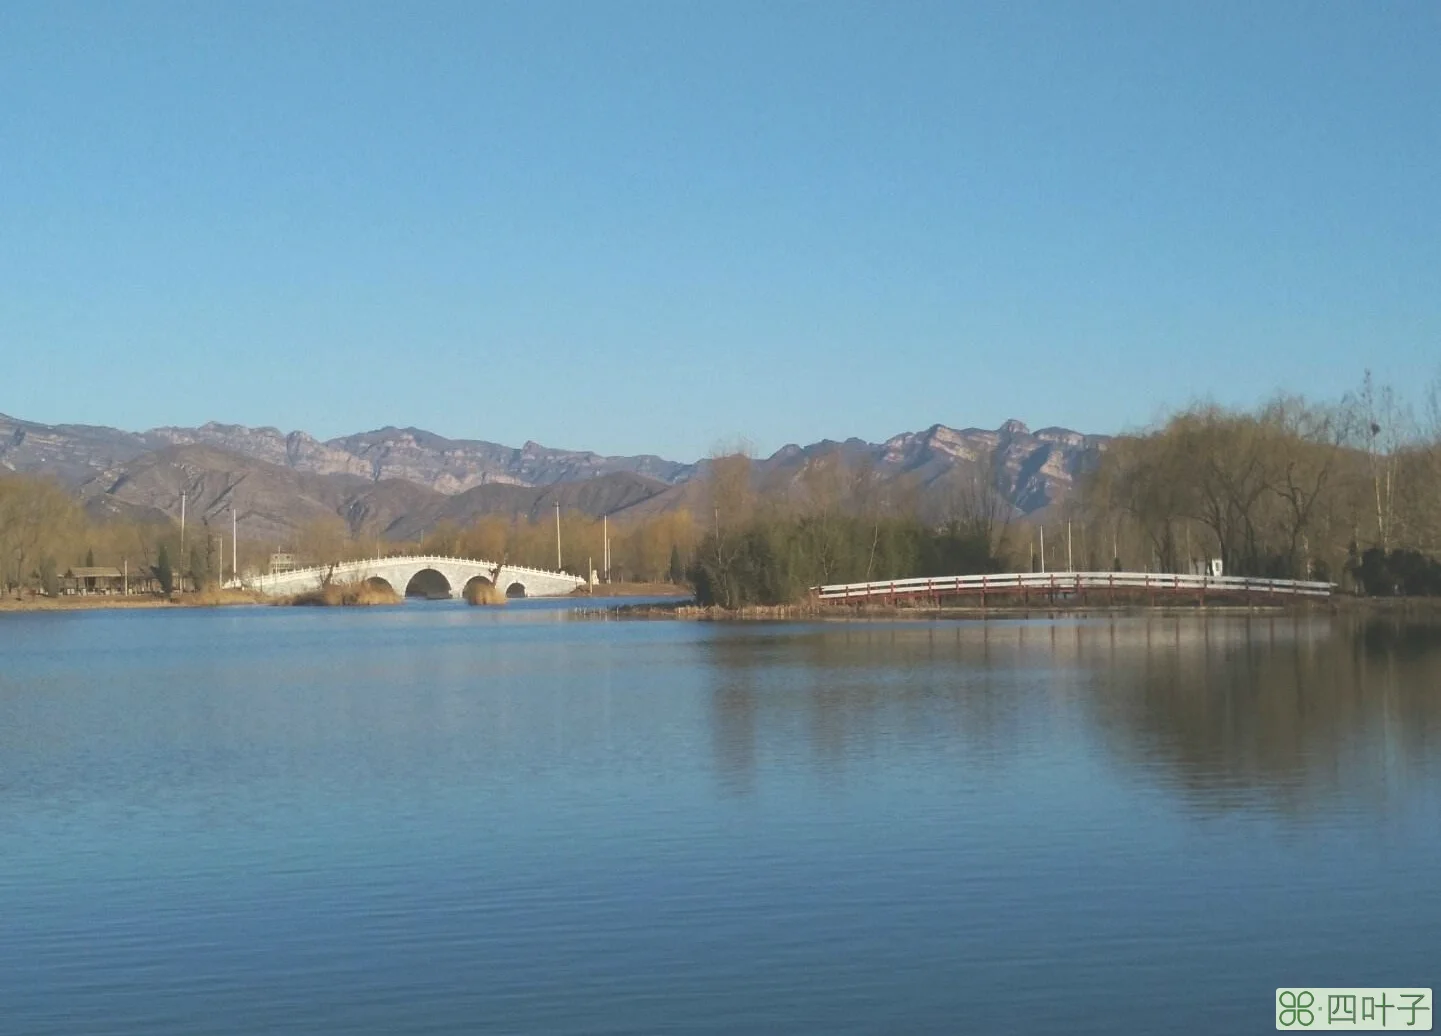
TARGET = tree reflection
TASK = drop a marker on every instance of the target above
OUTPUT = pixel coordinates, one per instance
(1295, 712)
(872, 694)
(1288, 711)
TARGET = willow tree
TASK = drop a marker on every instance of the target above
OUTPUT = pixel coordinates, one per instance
(1260, 485)
(38, 519)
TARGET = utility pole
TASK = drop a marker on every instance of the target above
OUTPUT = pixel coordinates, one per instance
(1070, 566)
(234, 543)
(126, 563)
(557, 536)
(182, 528)
(605, 546)
(1043, 548)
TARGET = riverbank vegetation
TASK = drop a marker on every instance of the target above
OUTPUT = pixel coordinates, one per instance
(838, 522)
(335, 595)
(478, 592)
(629, 589)
(45, 533)
(215, 597)
(1348, 492)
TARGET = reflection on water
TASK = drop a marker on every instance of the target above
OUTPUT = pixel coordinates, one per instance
(1302, 713)
(1295, 709)
(435, 818)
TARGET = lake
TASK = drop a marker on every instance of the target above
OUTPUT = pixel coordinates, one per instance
(431, 818)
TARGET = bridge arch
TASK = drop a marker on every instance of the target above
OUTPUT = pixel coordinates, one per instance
(380, 583)
(430, 584)
(516, 589)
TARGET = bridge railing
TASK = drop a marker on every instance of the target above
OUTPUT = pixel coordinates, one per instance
(1071, 582)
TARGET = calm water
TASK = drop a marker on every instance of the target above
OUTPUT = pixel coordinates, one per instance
(440, 819)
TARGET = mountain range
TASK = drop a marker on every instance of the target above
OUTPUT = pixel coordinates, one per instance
(400, 482)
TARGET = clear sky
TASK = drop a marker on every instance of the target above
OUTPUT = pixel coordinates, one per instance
(652, 227)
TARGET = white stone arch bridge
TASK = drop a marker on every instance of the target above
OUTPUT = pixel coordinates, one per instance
(438, 577)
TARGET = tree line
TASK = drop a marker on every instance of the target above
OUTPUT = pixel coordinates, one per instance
(45, 532)
(838, 522)
(1348, 492)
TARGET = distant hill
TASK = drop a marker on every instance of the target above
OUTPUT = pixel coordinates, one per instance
(405, 481)
(272, 502)
(427, 459)
(1032, 471)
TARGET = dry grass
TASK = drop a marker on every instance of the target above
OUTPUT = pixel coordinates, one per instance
(713, 613)
(478, 592)
(216, 598)
(344, 595)
(689, 610)
(10, 603)
(633, 590)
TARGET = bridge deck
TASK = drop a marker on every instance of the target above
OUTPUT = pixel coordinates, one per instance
(1072, 583)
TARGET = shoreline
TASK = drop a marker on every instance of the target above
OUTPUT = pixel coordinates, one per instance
(686, 611)
(10, 604)
(132, 602)
(37, 603)
(682, 608)
(630, 590)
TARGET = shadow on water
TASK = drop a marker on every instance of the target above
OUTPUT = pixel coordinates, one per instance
(1293, 712)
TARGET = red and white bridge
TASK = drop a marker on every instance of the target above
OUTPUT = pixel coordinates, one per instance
(1088, 587)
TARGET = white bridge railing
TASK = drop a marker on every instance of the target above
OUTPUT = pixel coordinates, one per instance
(1072, 583)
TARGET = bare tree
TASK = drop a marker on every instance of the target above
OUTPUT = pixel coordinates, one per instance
(826, 487)
(975, 503)
(731, 499)
(1307, 444)
(1379, 421)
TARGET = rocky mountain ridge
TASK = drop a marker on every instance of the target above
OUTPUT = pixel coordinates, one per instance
(401, 481)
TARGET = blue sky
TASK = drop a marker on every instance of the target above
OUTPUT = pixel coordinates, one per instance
(656, 227)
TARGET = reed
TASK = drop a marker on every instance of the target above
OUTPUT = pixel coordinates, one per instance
(212, 597)
(482, 593)
(344, 595)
